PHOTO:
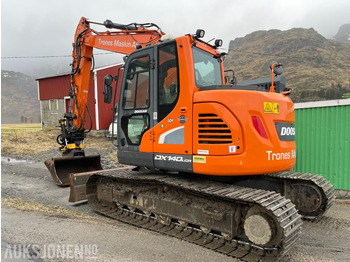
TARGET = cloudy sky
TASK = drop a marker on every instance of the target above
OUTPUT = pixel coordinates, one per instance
(46, 27)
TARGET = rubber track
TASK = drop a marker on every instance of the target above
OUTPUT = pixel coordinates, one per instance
(323, 184)
(283, 209)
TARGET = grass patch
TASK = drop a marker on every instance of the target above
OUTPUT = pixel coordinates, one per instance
(25, 205)
(6, 128)
(29, 139)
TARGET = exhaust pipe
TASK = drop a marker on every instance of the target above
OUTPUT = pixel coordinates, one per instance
(61, 167)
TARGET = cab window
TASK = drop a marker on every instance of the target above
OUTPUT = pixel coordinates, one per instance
(136, 91)
(168, 79)
(207, 68)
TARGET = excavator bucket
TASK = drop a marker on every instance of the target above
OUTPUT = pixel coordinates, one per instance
(61, 167)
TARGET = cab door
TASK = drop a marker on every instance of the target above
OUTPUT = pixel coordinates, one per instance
(172, 148)
(135, 107)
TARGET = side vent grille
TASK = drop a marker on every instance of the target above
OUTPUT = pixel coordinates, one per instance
(213, 130)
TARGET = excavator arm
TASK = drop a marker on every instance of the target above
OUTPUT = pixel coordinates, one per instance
(123, 39)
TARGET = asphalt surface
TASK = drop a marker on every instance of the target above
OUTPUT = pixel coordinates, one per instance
(38, 236)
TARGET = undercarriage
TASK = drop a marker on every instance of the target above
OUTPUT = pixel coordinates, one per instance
(246, 223)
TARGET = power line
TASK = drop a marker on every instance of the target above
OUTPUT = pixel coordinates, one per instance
(33, 57)
(62, 56)
(111, 53)
(48, 56)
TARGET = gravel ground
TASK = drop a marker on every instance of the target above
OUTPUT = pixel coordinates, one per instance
(37, 230)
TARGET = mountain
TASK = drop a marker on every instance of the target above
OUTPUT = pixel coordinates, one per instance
(315, 68)
(19, 98)
(343, 35)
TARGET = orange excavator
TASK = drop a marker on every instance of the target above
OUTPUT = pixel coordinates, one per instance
(209, 161)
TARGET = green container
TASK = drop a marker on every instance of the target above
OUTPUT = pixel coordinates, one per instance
(323, 140)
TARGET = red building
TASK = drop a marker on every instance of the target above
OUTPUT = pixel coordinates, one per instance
(54, 98)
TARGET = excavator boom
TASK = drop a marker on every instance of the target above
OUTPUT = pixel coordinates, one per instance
(124, 39)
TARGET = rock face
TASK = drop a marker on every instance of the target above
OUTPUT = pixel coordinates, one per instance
(343, 35)
(316, 68)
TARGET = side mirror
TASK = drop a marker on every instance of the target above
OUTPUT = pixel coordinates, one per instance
(226, 79)
(233, 81)
(107, 90)
(277, 68)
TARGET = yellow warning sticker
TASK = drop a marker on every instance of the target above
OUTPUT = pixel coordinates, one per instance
(199, 159)
(271, 108)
